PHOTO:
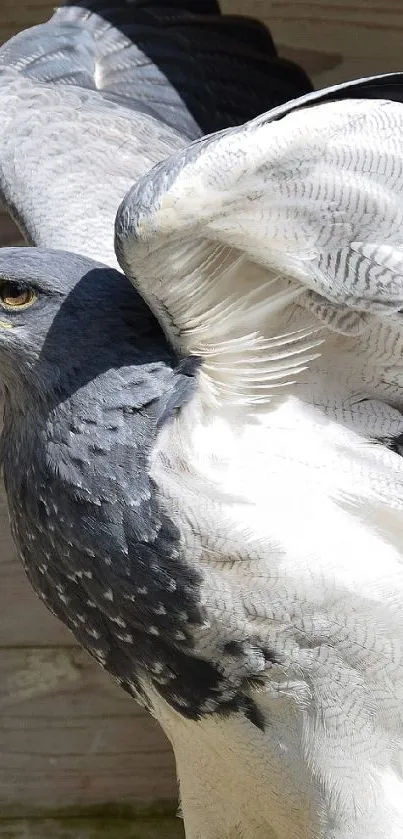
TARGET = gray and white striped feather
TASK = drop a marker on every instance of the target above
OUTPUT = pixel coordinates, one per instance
(95, 97)
(274, 252)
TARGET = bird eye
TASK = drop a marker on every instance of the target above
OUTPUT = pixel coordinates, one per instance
(16, 296)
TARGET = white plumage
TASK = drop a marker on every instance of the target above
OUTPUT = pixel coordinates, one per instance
(274, 252)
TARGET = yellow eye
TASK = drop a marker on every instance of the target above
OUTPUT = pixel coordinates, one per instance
(16, 296)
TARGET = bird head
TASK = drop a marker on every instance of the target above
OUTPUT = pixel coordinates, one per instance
(65, 318)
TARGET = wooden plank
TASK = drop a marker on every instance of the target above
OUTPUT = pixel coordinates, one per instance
(9, 233)
(71, 738)
(333, 39)
(20, 7)
(15, 18)
(18, 15)
(92, 829)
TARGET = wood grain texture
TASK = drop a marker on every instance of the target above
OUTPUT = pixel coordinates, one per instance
(333, 39)
(70, 738)
(9, 233)
(92, 829)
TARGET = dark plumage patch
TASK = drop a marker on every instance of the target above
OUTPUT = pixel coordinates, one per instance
(87, 518)
(396, 444)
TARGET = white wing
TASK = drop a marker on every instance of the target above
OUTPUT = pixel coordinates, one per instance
(273, 251)
(97, 96)
(301, 207)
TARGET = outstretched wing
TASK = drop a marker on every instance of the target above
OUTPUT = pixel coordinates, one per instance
(183, 62)
(303, 206)
(97, 96)
(67, 158)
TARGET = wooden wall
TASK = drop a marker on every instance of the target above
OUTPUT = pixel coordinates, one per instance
(334, 40)
(69, 739)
